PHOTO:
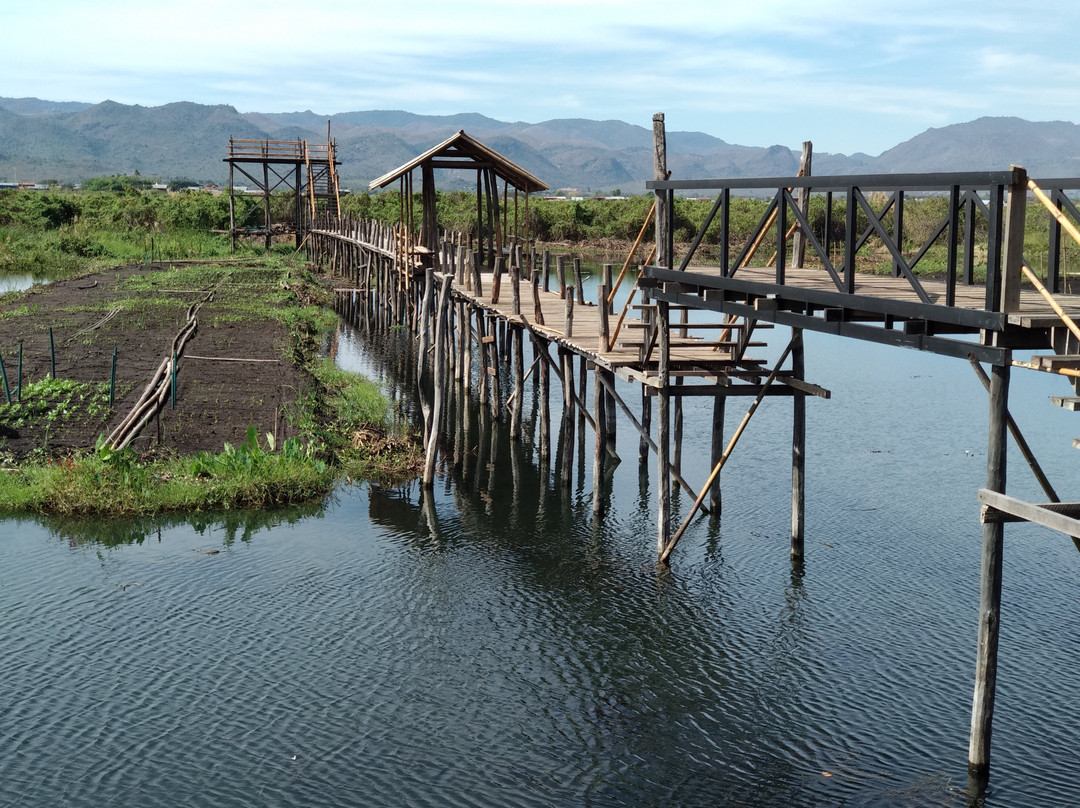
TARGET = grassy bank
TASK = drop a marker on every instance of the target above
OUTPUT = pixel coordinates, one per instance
(338, 425)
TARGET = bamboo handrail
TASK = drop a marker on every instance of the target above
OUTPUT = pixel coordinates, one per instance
(1018, 436)
(764, 230)
(1060, 312)
(1062, 219)
(626, 306)
(633, 251)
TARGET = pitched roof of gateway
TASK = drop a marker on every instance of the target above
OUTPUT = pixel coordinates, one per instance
(471, 154)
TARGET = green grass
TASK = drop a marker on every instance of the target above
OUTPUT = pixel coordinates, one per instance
(252, 475)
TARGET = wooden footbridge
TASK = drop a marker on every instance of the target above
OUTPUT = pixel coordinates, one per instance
(481, 304)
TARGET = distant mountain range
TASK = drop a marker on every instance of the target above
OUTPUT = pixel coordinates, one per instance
(71, 141)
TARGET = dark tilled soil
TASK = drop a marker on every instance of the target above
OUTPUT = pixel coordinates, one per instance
(216, 400)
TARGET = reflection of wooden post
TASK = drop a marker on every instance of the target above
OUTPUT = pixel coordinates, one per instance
(982, 707)
(798, 451)
(663, 434)
(802, 201)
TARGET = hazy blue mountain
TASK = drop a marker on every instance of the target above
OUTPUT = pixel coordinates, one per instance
(70, 141)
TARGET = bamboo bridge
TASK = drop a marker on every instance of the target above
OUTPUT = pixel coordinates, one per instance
(493, 302)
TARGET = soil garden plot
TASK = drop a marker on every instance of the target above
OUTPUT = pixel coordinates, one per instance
(235, 372)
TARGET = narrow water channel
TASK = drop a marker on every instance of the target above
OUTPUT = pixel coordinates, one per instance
(497, 644)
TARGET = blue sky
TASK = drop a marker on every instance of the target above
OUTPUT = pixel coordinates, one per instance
(850, 75)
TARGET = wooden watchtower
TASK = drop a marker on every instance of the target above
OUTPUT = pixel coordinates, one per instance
(307, 171)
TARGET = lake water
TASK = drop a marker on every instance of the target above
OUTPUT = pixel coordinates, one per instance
(496, 644)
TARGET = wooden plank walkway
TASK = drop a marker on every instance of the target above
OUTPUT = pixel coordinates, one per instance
(690, 355)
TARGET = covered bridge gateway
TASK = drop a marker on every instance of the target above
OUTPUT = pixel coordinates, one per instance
(499, 227)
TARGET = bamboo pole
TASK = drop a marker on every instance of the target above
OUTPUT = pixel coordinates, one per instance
(1021, 442)
(724, 457)
(633, 251)
(1062, 219)
(1060, 312)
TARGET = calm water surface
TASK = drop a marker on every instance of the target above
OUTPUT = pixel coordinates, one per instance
(495, 644)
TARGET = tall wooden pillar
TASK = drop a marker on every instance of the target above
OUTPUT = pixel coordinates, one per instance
(982, 708)
(266, 201)
(715, 495)
(802, 201)
(663, 211)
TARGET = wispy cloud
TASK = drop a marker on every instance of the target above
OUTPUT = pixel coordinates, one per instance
(860, 74)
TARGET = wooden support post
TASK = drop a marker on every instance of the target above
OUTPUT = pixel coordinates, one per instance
(798, 451)
(663, 214)
(515, 289)
(577, 282)
(602, 339)
(802, 201)
(463, 361)
(1012, 272)
(568, 318)
(567, 434)
(493, 389)
(481, 347)
(518, 337)
(646, 427)
(606, 279)
(560, 274)
(540, 349)
(545, 268)
(422, 354)
(496, 279)
(982, 708)
(663, 436)
(439, 383)
(538, 312)
(583, 385)
(600, 419)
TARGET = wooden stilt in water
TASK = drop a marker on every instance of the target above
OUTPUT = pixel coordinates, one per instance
(715, 494)
(798, 452)
(422, 355)
(646, 427)
(481, 348)
(518, 336)
(567, 433)
(982, 708)
(600, 418)
(493, 364)
(540, 348)
(438, 378)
